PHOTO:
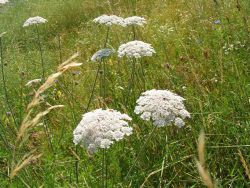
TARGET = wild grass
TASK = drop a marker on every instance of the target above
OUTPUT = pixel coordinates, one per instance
(194, 59)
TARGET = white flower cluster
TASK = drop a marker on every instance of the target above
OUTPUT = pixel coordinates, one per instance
(135, 20)
(136, 49)
(34, 20)
(166, 29)
(3, 2)
(233, 47)
(110, 20)
(116, 20)
(101, 54)
(162, 107)
(100, 128)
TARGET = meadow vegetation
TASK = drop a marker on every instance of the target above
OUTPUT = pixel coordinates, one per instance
(202, 54)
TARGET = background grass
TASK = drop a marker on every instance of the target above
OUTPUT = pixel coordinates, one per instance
(190, 61)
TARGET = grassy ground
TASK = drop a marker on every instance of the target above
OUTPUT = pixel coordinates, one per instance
(195, 59)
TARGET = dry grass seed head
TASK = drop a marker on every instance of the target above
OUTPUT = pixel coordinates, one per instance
(26, 160)
(244, 164)
(28, 122)
(206, 178)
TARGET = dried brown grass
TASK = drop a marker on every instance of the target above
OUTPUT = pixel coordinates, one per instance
(27, 159)
(244, 164)
(33, 118)
(204, 173)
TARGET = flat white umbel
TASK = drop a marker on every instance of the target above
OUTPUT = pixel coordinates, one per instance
(162, 107)
(135, 20)
(100, 128)
(2, 2)
(136, 49)
(109, 20)
(34, 21)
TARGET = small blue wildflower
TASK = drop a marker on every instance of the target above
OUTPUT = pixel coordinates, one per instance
(101, 54)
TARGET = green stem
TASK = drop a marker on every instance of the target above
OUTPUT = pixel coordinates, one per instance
(46, 130)
(133, 77)
(134, 33)
(71, 101)
(104, 79)
(104, 169)
(131, 85)
(104, 75)
(3, 138)
(21, 96)
(60, 48)
(134, 2)
(93, 88)
(143, 74)
(41, 53)
(4, 84)
(74, 118)
(106, 38)
(76, 168)
(141, 151)
(43, 78)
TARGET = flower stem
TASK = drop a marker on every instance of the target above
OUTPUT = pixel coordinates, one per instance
(104, 168)
(133, 77)
(60, 48)
(104, 83)
(103, 94)
(41, 53)
(43, 80)
(93, 88)
(104, 79)
(131, 85)
(74, 119)
(3, 138)
(106, 38)
(141, 149)
(76, 168)
(143, 74)
(71, 102)
(134, 33)
(103, 164)
(4, 84)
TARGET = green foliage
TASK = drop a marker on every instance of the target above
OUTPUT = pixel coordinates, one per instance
(190, 61)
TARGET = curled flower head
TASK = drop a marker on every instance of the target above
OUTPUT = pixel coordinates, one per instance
(110, 20)
(33, 82)
(136, 49)
(217, 22)
(162, 107)
(34, 21)
(100, 128)
(2, 34)
(101, 54)
(135, 20)
(2, 2)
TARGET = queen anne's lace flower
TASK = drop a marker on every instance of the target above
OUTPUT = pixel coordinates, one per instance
(135, 20)
(110, 20)
(100, 128)
(3, 2)
(34, 21)
(135, 49)
(162, 107)
(101, 54)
